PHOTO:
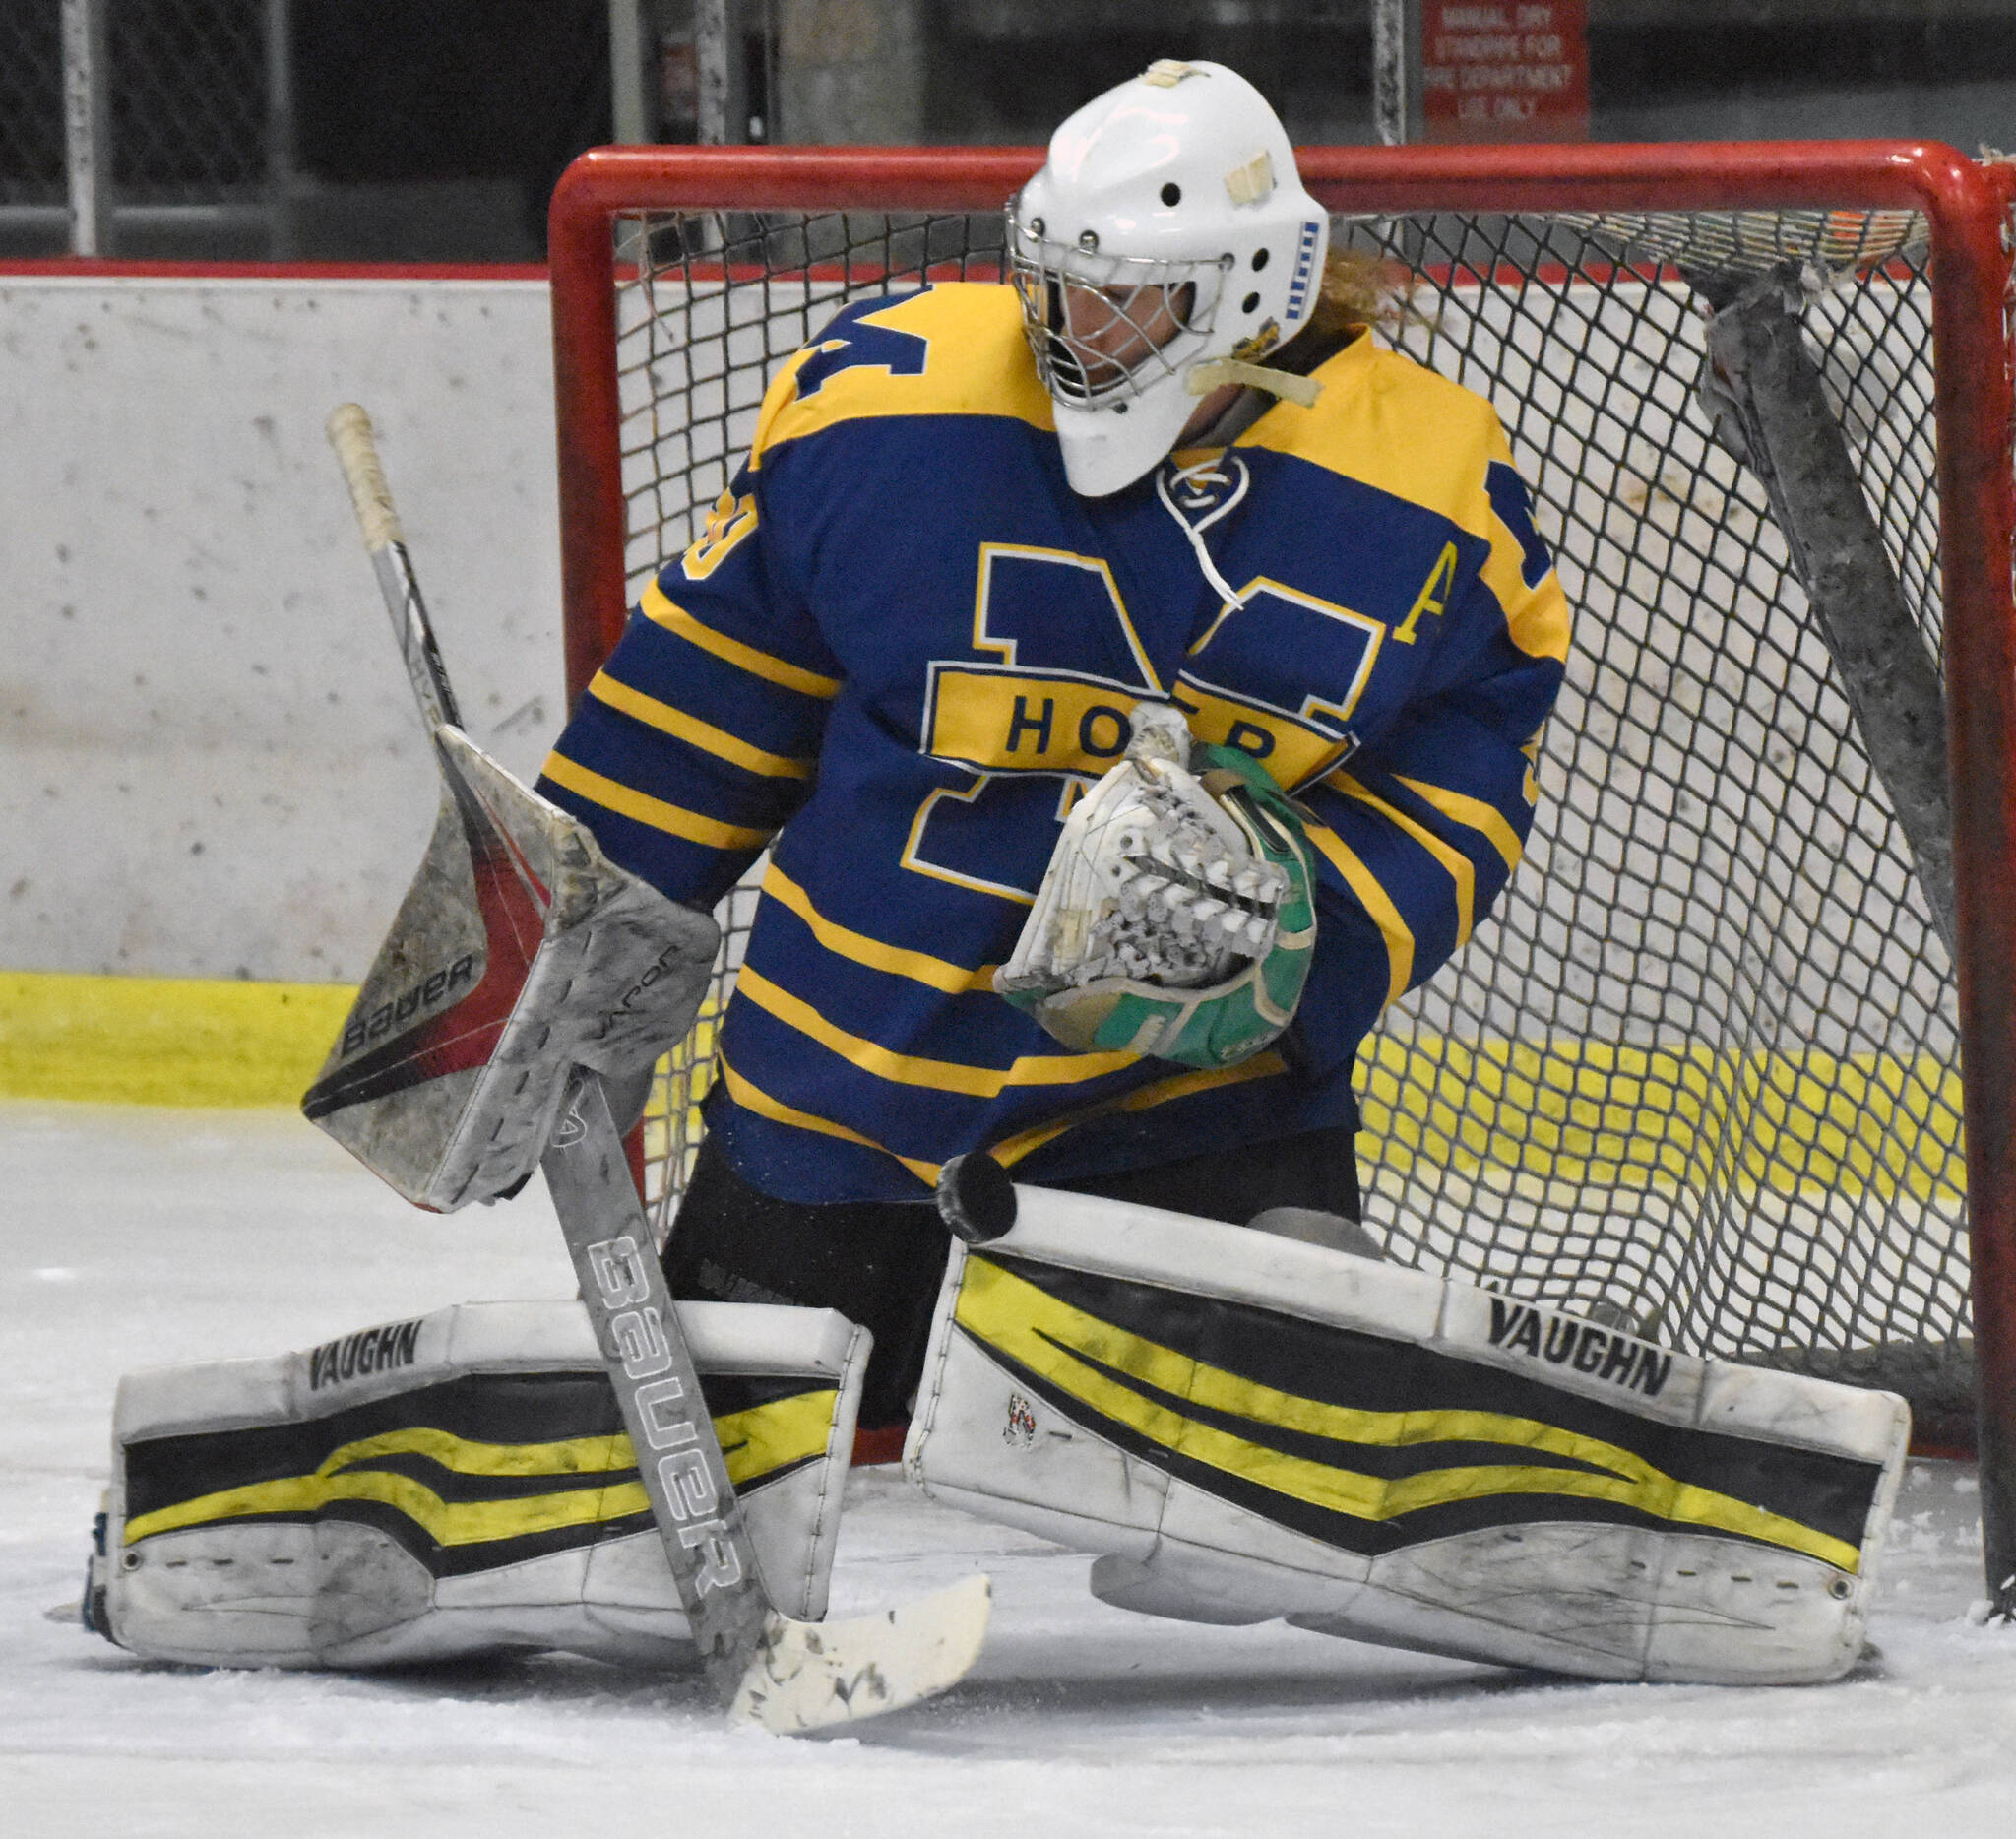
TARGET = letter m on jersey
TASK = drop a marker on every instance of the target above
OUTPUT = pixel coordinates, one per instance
(1042, 710)
(1065, 669)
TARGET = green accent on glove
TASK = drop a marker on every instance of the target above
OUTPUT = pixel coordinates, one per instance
(1221, 1024)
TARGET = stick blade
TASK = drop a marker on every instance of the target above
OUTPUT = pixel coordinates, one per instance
(808, 1674)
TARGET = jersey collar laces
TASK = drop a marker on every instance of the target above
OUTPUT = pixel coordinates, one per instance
(1197, 496)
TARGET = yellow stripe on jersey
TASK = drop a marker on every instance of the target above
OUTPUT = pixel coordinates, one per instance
(1375, 900)
(696, 732)
(1538, 619)
(919, 965)
(1011, 1150)
(977, 362)
(979, 1082)
(1473, 814)
(1182, 1085)
(1369, 425)
(1455, 863)
(752, 1098)
(674, 819)
(1090, 1360)
(657, 608)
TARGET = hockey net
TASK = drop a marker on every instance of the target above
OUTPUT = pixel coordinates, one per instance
(1701, 1068)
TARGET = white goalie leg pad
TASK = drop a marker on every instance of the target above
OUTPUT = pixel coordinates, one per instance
(1246, 1428)
(453, 1485)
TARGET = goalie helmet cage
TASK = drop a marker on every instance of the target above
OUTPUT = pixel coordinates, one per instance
(1702, 1066)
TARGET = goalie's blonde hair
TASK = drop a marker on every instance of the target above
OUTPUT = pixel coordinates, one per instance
(1359, 289)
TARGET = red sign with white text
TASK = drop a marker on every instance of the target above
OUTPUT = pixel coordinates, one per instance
(1505, 70)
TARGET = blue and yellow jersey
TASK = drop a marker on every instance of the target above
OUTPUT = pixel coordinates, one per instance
(903, 647)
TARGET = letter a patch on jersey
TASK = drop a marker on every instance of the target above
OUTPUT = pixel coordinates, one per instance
(1433, 597)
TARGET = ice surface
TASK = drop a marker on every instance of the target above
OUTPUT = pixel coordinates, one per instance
(131, 1238)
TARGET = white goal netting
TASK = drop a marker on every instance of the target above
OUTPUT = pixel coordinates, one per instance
(1702, 1064)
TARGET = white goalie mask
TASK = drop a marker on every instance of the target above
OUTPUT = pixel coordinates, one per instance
(1167, 230)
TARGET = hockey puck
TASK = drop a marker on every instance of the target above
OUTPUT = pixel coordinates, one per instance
(976, 1197)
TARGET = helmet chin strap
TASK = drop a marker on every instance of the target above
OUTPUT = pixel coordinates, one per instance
(1202, 379)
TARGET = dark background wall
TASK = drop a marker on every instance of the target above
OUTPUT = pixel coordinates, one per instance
(433, 129)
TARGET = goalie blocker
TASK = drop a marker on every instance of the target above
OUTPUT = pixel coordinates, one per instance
(1246, 1427)
(519, 952)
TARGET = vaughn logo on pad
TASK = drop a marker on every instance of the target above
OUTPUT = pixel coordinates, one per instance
(1585, 1347)
(375, 1350)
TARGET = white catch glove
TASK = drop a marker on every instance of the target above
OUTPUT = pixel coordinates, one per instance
(1175, 915)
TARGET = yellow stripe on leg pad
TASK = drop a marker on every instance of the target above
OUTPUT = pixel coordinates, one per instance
(756, 1442)
(1079, 1355)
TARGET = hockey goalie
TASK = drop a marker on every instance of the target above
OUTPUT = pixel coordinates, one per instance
(1134, 674)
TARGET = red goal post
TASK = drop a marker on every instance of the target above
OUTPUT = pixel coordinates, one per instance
(1865, 1137)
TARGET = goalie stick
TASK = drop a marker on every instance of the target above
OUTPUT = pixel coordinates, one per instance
(785, 1674)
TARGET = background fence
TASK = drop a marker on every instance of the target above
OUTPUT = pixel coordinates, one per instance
(433, 130)
(119, 116)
